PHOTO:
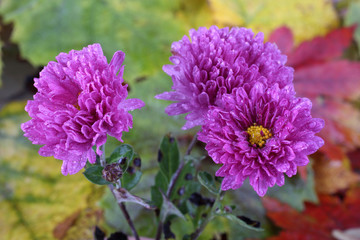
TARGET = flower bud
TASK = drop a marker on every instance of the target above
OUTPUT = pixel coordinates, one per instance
(112, 172)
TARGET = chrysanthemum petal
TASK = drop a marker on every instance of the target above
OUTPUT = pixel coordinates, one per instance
(80, 100)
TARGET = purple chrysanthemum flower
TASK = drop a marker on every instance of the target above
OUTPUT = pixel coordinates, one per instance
(260, 133)
(214, 62)
(80, 99)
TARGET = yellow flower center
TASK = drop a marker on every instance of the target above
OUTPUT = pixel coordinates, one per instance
(258, 135)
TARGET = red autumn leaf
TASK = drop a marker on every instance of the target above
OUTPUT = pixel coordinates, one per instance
(316, 221)
(354, 158)
(330, 82)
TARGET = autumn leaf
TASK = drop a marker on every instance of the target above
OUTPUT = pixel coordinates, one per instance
(316, 221)
(332, 83)
(333, 176)
(354, 157)
(353, 17)
(306, 18)
(35, 198)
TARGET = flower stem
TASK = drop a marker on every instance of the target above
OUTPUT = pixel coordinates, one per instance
(102, 156)
(121, 205)
(126, 214)
(173, 181)
(208, 218)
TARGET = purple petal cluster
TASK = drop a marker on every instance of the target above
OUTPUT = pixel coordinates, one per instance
(228, 131)
(239, 90)
(215, 61)
(80, 99)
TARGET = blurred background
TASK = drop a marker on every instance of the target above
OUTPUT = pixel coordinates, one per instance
(322, 43)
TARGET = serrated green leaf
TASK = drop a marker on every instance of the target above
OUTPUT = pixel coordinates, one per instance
(170, 156)
(123, 152)
(129, 181)
(94, 175)
(208, 182)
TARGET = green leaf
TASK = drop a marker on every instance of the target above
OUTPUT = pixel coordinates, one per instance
(94, 175)
(168, 208)
(133, 174)
(169, 156)
(161, 185)
(208, 182)
(142, 29)
(186, 181)
(241, 222)
(123, 152)
(296, 191)
(156, 198)
(129, 181)
(161, 182)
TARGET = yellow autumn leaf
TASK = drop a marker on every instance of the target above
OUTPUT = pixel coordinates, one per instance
(306, 18)
(34, 196)
(333, 176)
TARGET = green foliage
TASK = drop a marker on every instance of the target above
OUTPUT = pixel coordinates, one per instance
(123, 154)
(161, 185)
(296, 191)
(238, 220)
(186, 183)
(151, 123)
(142, 29)
(94, 175)
(169, 156)
(168, 209)
(34, 196)
(208, 182)
(129, 180)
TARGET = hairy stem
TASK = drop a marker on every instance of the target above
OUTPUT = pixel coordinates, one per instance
(102, 156)
(173, 180)
(126, 214)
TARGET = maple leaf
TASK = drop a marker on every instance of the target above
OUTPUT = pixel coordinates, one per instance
(332, 83)
(316, 221)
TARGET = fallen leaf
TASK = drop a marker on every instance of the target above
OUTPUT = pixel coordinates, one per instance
(62, 228)
(333, 176)
(34, 196)
(306, 18)
(316, 221)
(354, 157)
(331, 83)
